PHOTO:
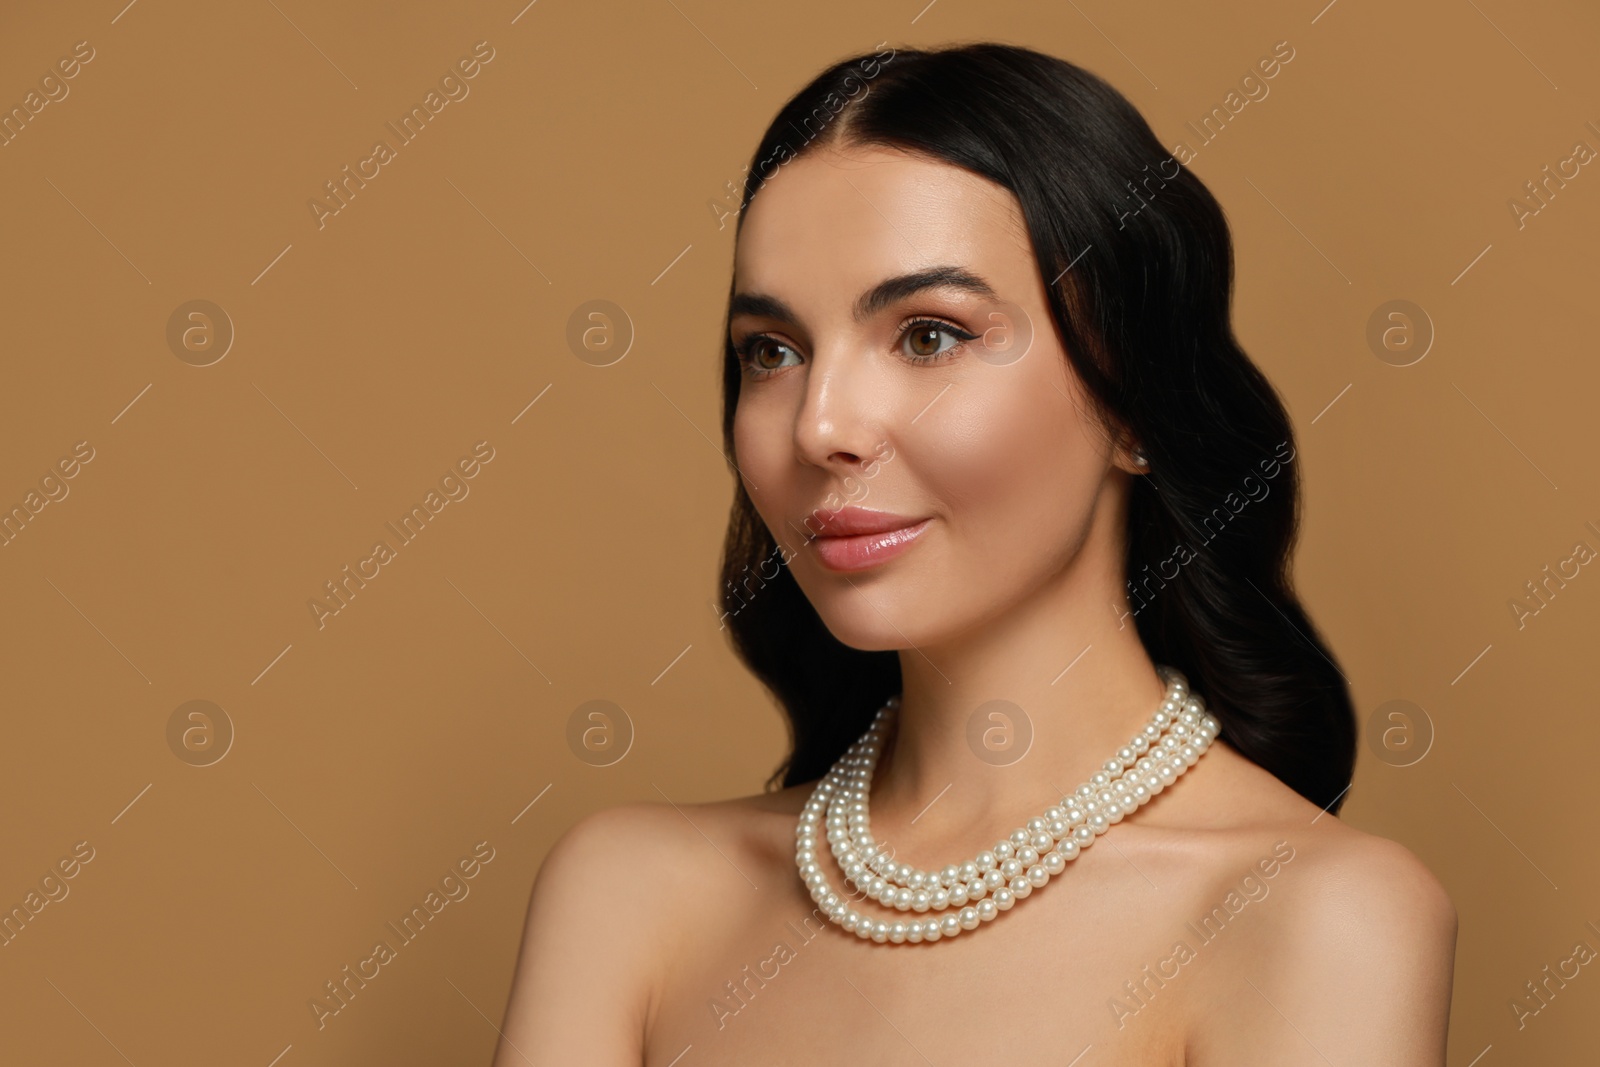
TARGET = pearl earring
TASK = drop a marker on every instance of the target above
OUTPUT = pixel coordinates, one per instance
(1139, 460)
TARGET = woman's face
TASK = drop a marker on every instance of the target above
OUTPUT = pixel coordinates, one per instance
(985, 448)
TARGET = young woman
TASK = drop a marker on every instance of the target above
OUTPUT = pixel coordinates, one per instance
(1010, 545)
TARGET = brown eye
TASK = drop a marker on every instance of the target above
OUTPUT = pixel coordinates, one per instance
(922, 339)
(925, 340)
(755, 350)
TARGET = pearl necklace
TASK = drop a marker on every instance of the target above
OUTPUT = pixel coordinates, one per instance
(1178, 734)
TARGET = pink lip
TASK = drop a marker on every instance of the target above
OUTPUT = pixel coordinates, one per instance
(854, 539)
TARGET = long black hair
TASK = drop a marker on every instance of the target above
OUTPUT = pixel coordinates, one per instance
(1140, 263)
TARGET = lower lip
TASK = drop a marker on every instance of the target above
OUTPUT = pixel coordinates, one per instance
(861, 551)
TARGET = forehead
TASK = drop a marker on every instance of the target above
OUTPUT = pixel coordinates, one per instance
(834, 222)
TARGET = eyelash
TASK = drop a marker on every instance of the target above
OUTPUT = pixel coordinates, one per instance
(743, 348)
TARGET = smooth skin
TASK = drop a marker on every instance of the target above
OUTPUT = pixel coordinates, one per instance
(681, 934)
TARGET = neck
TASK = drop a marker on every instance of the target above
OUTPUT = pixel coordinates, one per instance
(1000, 723)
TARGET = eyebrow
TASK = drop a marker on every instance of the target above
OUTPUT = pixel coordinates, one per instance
(875, 299)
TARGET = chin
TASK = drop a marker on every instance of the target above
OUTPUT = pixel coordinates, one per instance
(879, 624)
(868, 639)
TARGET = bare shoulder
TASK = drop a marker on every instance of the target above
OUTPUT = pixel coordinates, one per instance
(677, 835)
(737, 841)
(1348, 874)
(1231, 801)
(1356, 879)
(618, 908)
(585, 988)
(1362, 930)
(1367, 912)
(1367, 933)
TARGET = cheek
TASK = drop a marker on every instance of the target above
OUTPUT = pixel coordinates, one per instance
(1008, 454)
(754, 443)
(763, 452)
(1017, 475)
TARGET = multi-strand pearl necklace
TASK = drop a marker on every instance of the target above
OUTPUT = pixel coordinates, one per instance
(1177, 735)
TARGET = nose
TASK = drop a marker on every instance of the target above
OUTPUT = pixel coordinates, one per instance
(834, 427)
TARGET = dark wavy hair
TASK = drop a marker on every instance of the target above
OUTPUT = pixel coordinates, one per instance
(1142, 267)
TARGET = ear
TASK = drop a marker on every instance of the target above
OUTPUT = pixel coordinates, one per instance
(1130, 456)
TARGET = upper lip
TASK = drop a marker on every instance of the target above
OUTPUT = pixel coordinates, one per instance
(850, 521)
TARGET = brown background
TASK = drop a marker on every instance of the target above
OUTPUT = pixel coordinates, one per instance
(370, 354)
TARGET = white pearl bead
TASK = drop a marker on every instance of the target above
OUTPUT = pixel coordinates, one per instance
(1171, 742)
